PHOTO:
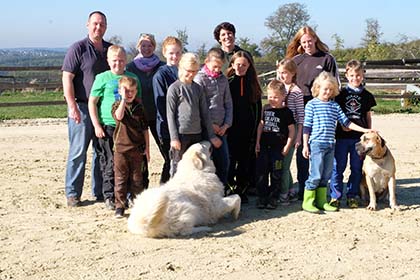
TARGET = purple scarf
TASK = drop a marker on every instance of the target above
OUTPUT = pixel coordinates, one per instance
(146, 64)
(210, 73)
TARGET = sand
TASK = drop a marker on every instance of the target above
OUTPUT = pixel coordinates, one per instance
(40, 238)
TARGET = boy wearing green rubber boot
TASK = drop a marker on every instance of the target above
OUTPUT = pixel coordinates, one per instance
(321, 116)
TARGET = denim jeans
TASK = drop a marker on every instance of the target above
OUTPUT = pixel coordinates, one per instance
(106, 160)
(269, 164)
(80, 136)
(343, 148)
(321, 165)
(286, 176)
(302, 165)
(176, 155)
(221, 160)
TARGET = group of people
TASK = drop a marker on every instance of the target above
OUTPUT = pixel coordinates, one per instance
(114, 105)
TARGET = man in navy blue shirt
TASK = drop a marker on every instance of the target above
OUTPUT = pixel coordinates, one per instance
(83, 61)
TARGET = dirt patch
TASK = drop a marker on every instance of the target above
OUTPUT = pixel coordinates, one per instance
(40, 238)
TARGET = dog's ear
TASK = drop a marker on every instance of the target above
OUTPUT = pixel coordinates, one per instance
(198, 160)
(383, 142)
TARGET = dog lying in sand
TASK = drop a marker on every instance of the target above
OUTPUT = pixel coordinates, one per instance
(187, 203)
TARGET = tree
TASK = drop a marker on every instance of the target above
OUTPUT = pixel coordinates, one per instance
(202, 52)
(284, 24)
(183, 37)
(338, 42)
(115, 39)
(252, 48)
(372, 33)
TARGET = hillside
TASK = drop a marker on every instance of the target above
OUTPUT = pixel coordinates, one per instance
(32, 57)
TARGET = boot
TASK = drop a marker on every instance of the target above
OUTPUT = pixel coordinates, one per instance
(308, 201)
(321, 200)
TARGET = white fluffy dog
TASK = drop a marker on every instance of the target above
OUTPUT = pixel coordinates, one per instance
(188, 202)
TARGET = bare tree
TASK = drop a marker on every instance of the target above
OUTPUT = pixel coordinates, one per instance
(372, 33)
(284, 23)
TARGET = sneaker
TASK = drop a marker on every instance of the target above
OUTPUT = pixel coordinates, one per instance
(272, 204)
(73, 202)
(293, 196)
(335, 202)
(244, 198)
(119, 213)
(109, 204)
(352, 203)
(284, 200)
(261, 204)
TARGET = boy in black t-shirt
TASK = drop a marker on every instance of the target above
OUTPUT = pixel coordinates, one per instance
(356, 102)
(275, 136)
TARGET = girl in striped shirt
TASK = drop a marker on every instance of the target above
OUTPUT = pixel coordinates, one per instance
(321, 116)
(286, 72)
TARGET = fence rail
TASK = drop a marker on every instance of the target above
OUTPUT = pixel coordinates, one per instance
(397, 75)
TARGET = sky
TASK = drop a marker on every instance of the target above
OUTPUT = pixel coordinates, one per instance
(57, 24)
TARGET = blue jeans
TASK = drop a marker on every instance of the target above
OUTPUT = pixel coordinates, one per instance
(343, 148)
(321, 165)
(80, 136)
(186, 140)
(105, 153)
(221, 160)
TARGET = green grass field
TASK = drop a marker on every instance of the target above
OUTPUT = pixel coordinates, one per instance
(385, 106)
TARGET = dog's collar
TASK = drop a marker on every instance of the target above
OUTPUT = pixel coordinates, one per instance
(380, 157)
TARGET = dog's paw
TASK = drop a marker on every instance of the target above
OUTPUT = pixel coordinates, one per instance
(372, 207)
(394, 207)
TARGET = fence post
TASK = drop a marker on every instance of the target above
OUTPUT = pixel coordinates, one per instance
(404, 101)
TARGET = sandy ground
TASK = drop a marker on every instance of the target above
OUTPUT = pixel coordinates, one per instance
(40, 238)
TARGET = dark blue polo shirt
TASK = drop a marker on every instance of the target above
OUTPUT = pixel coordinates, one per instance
(85, 62)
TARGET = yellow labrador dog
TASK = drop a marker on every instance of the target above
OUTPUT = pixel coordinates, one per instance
(378, 170)
(187, 203)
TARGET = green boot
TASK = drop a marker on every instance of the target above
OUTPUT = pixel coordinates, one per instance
(321, 200)
(308, 201)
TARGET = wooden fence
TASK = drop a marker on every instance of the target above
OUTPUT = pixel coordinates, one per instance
(400, 75)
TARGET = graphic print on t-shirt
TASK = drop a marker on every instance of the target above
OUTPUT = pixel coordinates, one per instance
(271, 122)
(353, 106)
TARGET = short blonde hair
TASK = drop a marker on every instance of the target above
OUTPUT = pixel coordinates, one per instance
(171, 40)
(116, 50)
(148, 37)
(127, 81)
(188, 61)
(327, 77)
(277, 87)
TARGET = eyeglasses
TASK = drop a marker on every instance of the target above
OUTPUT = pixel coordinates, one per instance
(191, 71)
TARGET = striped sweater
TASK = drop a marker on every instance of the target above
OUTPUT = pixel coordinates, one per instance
(320, 120)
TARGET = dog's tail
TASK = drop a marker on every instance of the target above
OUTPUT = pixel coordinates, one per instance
(148, 213)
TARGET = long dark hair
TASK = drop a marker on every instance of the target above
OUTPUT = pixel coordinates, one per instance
(251, 75)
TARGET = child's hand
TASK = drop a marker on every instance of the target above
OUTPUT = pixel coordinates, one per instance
(298, 142)
(216, 129)
(147, 153)
(123, 92)
(216, 142)
(305, 151)
(99, 131)
(176, 144)
(285, 151)
(222, 130)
